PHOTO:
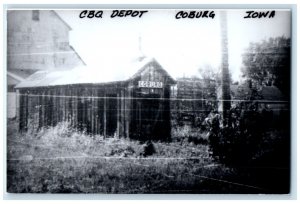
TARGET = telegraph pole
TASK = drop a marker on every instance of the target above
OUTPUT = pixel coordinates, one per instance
(225, 81)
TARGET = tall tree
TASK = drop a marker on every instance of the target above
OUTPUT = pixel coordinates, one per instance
(268, 63)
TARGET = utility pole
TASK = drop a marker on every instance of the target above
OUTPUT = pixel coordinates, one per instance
(225, 81)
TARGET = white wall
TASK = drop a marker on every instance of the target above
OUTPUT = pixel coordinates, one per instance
(11, 104)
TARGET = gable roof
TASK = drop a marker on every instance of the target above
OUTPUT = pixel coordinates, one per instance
(86, 75)
(159, 68)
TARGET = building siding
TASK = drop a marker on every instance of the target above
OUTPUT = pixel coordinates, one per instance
(37, 44)
(115, 109)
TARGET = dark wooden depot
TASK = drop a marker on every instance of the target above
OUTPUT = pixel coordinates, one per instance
(137, 107)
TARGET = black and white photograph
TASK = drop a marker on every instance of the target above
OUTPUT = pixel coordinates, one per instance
(148, 101)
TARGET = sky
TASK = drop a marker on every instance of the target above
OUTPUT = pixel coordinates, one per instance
(181, 46)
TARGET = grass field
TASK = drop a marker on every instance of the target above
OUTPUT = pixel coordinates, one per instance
(61, 160)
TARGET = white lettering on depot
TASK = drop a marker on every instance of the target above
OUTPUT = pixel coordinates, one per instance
(150, 84)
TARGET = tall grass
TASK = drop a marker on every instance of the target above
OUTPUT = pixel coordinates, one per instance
(62, 160)
(62, 140)
(187, 134)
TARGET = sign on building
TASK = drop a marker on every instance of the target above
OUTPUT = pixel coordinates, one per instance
(150, 84)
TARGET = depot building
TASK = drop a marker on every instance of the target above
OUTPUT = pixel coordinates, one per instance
(136, 105)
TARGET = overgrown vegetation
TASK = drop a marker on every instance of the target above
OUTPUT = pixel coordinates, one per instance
(187, 134)
(250, 146)
(255, 140)
(253, 135)
(249, 136)
(62, 160)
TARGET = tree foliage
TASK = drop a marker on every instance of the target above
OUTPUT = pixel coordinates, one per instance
(268, 63)
(238, 140)
(250, 136)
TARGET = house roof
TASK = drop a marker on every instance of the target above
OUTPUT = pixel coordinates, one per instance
(14, 76)
(21, 73)
(142, 66)
(269, 93)
(13, 79)
(272, 93)
(87, 75)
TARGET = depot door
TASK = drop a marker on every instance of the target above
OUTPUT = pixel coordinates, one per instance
(111, 115)
(149, 116)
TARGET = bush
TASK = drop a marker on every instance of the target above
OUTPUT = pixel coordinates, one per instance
(148, 149)
(187, 134)
(247, 136)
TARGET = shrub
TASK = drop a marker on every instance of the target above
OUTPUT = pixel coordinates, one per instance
(148, 149)
(187, 134)
(244, 138)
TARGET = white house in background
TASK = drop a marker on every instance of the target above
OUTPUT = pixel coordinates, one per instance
(36, 40)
